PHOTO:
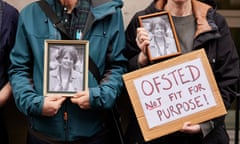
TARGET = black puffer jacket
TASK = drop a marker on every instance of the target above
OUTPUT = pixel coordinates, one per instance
(212, 33)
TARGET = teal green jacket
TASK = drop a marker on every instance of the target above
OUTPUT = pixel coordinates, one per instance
(105, 32)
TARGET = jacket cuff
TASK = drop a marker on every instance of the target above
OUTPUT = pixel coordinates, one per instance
(94, 94)
(37, 106)
(206, 127)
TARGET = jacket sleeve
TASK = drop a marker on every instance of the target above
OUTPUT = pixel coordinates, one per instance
(227, 63)
(20, 74)
(132, 50)
(7, 33)
(11, 15)
(111, 83)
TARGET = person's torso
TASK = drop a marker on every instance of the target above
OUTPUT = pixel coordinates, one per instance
(80, 122)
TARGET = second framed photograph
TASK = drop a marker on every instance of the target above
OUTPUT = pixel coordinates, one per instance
(163, 39)
(65, 67)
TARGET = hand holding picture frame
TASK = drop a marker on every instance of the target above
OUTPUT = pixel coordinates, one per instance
(65, 67)
(162, 35)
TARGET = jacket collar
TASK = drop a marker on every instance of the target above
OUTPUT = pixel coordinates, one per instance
(96, 3)
(200, 11)
(99, 10)
(102, 8)
(151, 8)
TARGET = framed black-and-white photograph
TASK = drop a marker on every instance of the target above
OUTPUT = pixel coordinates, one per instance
(162, 35)
(65, 67)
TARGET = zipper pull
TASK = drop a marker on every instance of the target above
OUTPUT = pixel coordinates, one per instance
(65, 116)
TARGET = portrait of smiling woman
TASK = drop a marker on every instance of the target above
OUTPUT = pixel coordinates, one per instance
(65, 77)
(162, 37)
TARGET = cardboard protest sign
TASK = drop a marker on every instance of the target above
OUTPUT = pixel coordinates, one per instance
(167, 94)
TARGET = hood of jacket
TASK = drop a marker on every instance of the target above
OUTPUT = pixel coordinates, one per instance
(108, 6)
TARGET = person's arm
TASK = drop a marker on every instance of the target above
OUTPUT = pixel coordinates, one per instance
(10, 17)
(226, 70)
(227, 64)
(111, 84)
(20, 74)
(5, 94)
(132, 51)
(206, 127)
(26, 70)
